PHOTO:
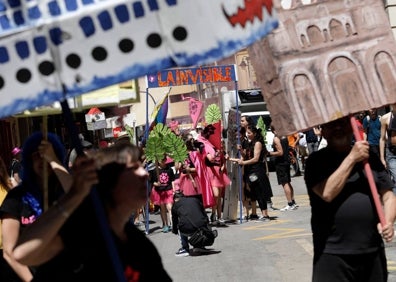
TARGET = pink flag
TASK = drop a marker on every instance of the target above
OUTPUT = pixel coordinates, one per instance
(195, 107)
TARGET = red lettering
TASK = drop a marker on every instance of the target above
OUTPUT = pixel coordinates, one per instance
(219, 76)
(170, 80)
(228, 73)
(194, 78)
(195, 75)
(183, 78)
(160, 82)
(206, 75)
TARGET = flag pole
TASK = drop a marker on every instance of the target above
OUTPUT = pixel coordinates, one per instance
(45, 167)
(369, 175)
(97, 205)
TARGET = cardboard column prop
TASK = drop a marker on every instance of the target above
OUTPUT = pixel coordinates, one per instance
(327, 60)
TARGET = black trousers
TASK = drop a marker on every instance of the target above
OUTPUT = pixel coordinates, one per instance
(351, 268)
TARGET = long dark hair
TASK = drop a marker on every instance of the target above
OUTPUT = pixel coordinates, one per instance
(258, 137)
(249, 120)
(5, 182)
(208, 130)
(257, 133)
(33, 192)
(31, 146)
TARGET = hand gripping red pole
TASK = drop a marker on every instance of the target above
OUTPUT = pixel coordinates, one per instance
(369, 175)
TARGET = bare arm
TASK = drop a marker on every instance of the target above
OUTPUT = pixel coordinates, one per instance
(40, 241)
(382, 141)
(332, 186)
(46, 150)
(278, 146)
(389, 202)
(10, 232)
(256, 155)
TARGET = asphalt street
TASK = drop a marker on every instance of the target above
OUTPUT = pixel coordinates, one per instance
(276, 251)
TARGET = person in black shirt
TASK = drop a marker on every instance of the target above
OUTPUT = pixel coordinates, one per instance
(188, 215)
(25, 203)
(70, 230)
(311, 135)
(280, 152)
(347, 235)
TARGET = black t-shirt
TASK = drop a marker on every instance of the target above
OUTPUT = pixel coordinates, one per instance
(166, 177)
(17, 206)
(188, 214)
(310, 136)
(348, 224)
(85, 257)
(284, 159)
(14, 206)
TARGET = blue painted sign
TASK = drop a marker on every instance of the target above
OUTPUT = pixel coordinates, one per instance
(188, 76)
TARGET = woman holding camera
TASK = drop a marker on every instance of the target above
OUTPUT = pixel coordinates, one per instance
(255, 170)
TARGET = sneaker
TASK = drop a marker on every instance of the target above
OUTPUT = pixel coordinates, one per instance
(221, 222)
(165, 229)
(263, 219)
(182, 253)
(294, 203)
(253, 216)
(288, 208)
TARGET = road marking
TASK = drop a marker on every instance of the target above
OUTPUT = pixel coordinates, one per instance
(280, 232)
(284, 233)
(391, 266)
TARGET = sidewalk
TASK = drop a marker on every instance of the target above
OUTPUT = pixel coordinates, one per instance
(276, 251)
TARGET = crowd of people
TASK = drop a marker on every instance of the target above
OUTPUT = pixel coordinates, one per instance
(40, 212)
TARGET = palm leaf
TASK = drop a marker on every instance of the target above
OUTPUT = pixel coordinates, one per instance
(162, 141)
(160, 130)
(129, 130)
(155, 150)
(175, 147)
(261, 125)
(212, 114)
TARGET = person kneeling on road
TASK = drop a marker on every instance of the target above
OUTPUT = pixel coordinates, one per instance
(188, 217)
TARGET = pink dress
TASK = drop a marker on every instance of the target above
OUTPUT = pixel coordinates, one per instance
(217, 177)
(190, 184)
(164, 194)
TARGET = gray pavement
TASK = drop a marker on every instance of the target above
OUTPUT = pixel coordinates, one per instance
(276, 251)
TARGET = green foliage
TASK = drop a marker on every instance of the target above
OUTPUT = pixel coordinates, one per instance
(162, 141)
(260, 124)
(129, 130)
(212, 114)
(154, 149)
(175, 148)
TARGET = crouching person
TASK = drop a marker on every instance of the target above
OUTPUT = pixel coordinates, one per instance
(192, 224)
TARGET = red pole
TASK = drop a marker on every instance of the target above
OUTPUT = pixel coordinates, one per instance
(369, 175)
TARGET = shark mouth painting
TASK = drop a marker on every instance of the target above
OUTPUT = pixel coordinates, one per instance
(52, 50)
(251, 10)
